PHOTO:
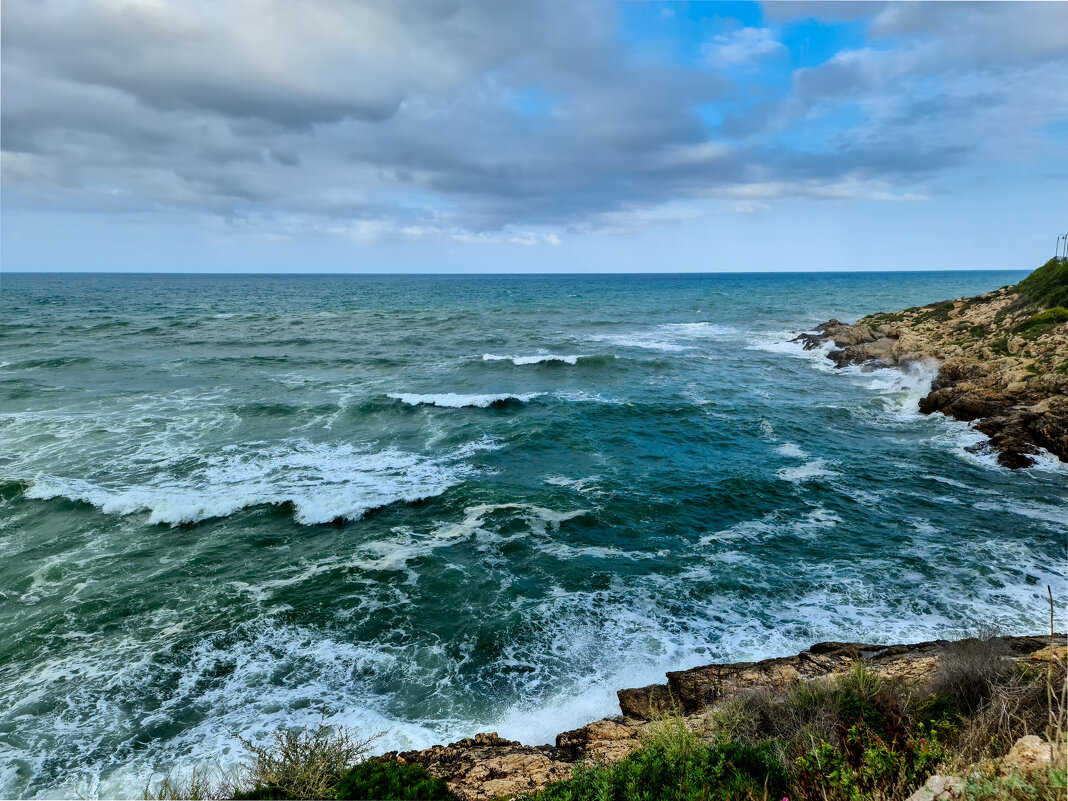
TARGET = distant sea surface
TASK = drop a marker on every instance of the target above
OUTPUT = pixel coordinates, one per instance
(433, 506)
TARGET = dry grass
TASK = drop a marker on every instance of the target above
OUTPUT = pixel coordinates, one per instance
(200, 785)
(296, 763)
(969, 669)
(307, 762)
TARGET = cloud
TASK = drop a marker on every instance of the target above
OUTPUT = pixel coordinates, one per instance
(489, 122)
(742, 46)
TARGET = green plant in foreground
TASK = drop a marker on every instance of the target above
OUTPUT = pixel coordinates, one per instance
(1048, 784)
(396, 781)
(676, 764)
(867, 766)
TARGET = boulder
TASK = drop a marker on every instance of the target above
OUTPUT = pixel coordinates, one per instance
(939, 788)
(1032, 753)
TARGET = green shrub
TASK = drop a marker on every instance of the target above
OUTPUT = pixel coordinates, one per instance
(867, 766)
(859, 697)
(390, 781)
(677, 764)
(1048, 285)
(939, 710)
(1048, 784)
(1047, 319)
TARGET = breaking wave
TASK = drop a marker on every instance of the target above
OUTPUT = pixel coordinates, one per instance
(321, 482)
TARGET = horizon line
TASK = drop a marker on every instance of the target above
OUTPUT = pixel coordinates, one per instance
(528, 272)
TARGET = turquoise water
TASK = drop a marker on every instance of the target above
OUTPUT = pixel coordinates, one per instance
(439, 505)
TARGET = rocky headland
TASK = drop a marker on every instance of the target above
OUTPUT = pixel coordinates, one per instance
(486, 766)
(1002, 359)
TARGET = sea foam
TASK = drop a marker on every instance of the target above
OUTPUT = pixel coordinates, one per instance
(322, 482)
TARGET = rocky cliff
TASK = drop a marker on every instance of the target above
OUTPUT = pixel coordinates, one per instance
(486, 766)
(1002, 359)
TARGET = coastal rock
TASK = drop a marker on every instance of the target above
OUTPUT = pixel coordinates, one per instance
(603, 740)
(995, 367)
(702, 687)
(1059, 653)
(645, 703)
(487, 766)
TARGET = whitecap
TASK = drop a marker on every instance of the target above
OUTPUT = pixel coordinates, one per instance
(322, 482)
(571, 359)
(815, 468)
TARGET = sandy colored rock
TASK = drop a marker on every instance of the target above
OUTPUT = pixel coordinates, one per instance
(939, 788)
(645, 703)
(1060, 653)
(1031, 753)
(487, 766)
(1014, 386)
(603, 740)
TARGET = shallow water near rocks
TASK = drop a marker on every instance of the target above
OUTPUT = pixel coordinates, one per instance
(433, 506)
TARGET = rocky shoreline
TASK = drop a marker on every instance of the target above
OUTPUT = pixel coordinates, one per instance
(486, 766)
(1002, 360)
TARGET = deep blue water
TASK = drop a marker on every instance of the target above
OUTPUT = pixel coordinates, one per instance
(442, 505)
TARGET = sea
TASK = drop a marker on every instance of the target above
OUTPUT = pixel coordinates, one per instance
(429, 506)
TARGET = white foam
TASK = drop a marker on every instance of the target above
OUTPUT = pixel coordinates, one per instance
(791, 450)
(583, 485)
(538, 359)
(582, 396)
(452, 400)
(783, 342)
(323, 482)
(649, 341)
(815, 468)
(701, 330)
(670, 337)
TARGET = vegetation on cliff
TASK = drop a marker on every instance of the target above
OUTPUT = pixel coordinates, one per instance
(858, 736)
(1002, 359)
(1047, 286)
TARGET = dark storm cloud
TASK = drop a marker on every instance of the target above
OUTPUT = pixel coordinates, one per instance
(420, 119)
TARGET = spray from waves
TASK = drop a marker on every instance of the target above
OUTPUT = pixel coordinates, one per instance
(702, 330)
(670, 337)
(322, 482)
(782, 342)
(452, 400)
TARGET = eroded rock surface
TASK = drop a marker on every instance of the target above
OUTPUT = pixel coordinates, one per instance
(993, 366)
(691, 691)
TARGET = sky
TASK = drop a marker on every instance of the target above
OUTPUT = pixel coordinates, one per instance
(550, 136)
